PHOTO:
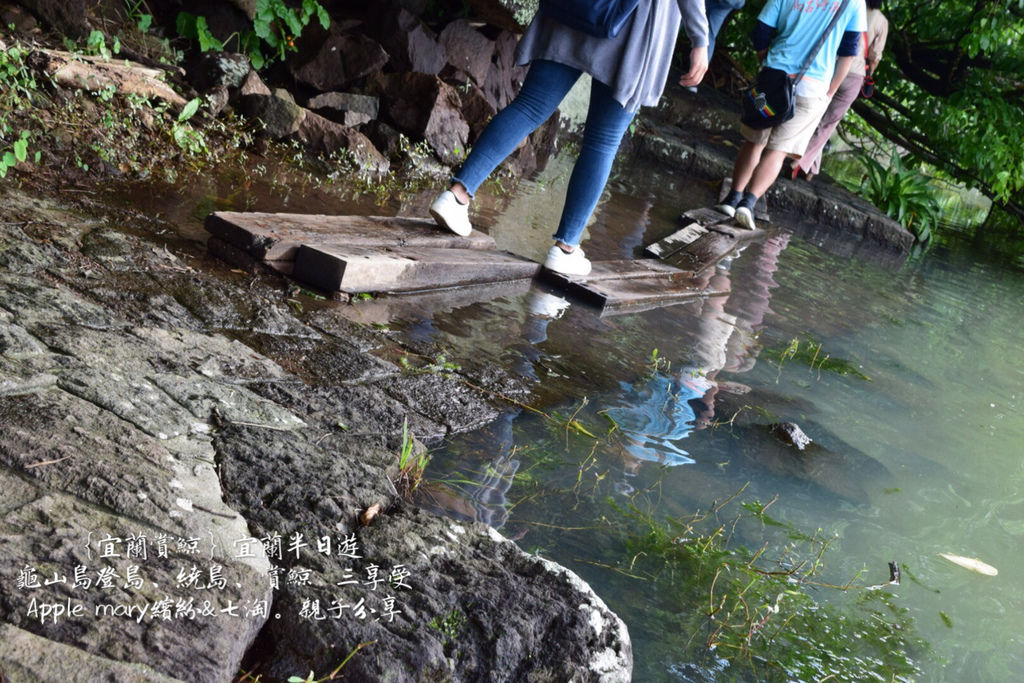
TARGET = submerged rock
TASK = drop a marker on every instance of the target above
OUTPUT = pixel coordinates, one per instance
(790, 433)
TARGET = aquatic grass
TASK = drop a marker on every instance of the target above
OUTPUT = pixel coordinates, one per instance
(410, 465)
(811, 353)
(759, 614)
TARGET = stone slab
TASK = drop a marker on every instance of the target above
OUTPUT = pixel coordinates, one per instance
(277, 236)
(355, 269)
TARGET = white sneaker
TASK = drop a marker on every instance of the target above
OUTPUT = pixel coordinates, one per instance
(745, 218)
(727, 209)
(573, 263)
(449, 213)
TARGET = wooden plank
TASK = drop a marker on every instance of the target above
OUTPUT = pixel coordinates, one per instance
(634, 292)
(737, 232)
(705, 215)
(622, 269)
(704, 253)
(277, 236)
(627, 282)
(676, 241)
(652, 297)
(241, 259)
(366, 269)
(424, 305)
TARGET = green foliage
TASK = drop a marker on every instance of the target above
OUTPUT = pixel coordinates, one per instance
(275, 28)
(17, 88)
(195, 28)
(96, 44)
(949, 91)
(311, 677)
(18, 152)
(449, 624)
(185, 136)
(143, 20)
(903, 193)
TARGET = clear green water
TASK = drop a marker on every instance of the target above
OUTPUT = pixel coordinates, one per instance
(922, 457)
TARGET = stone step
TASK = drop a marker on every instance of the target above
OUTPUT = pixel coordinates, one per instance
(377, 269)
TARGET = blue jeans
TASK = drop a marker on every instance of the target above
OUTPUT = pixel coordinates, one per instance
(547, 83)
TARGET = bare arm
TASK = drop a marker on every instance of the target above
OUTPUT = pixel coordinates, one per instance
(695, 22)
(843, 65)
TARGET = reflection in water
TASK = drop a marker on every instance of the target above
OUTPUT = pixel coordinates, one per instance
(658, 414)
(477, 492)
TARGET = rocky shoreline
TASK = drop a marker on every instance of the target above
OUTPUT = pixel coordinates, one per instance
(167, 484)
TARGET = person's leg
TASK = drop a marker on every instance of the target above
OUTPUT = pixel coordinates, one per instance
(747, 161)
(545, 86)
(743, 168)
(607, 121)
(766, 172)
(787, 139)
(849, 89)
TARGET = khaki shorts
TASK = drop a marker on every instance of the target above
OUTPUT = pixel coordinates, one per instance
(792, 136)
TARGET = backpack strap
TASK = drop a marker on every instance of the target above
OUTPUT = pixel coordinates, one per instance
(821, 41)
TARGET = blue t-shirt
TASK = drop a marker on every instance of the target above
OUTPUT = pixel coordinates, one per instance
(799, 24)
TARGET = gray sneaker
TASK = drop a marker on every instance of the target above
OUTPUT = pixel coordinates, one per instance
(745, 218)
(727, 209)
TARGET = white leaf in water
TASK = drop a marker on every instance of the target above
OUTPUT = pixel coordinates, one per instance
(974, 564)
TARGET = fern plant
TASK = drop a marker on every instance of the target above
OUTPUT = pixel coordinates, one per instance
(904, 193)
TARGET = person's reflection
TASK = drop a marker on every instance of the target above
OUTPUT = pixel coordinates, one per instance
(655, 416)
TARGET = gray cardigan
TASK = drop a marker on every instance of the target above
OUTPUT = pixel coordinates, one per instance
(635, 63)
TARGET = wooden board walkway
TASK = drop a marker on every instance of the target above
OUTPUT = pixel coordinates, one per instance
(275, 238)
(355, 254)
(629, 286)
(346, 255)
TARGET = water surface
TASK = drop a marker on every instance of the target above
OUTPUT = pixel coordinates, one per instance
(908, 377)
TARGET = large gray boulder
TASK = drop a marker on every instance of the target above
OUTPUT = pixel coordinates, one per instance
(425, 108)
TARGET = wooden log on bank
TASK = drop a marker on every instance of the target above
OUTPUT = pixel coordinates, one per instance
(96, 73)
(368, 269)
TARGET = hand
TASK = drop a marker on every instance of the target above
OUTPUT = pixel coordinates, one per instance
(698, 66)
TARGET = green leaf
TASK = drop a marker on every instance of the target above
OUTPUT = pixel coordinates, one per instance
(189, 110)
(21, 149)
